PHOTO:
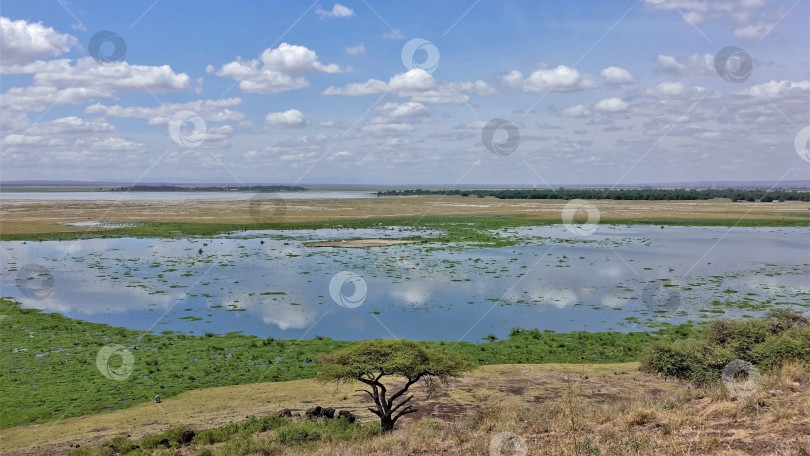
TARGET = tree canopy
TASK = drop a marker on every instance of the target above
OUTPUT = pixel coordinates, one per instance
(369, 361)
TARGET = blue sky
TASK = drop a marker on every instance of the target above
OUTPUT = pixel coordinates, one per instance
(611, 92)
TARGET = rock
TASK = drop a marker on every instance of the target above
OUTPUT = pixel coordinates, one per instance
(328, 413)
(795, 386)
(286, 413)
(775, 392)
(186, 437)
(346, 415)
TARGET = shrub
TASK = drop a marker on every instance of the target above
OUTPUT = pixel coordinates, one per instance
(295, 435)
(782, 335)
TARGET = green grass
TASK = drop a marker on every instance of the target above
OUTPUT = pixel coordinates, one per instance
(64, 381)
(243, 437)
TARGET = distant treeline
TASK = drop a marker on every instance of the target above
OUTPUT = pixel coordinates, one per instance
(618, 194)
(243, 188)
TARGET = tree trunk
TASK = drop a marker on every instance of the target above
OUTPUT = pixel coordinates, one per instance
(386, 424)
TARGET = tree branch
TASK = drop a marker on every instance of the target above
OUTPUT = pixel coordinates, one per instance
(401, 403)
(404, 390)
(404, 411)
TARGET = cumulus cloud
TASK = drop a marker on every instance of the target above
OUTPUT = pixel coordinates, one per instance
(695, 64)
(38, 98)
(751, 17)
(22, 41)
(780, 91)
(560, 79)
(210, 110)
(397, 117)
(69, 125)
(578, 111)
(87, 81)
(609, 105)
(292, 118)
(338, 10)
(617, 76)
(277, 70)
(418, 85)
(109, 144)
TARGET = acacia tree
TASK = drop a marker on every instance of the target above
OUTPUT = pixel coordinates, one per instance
(370, 361)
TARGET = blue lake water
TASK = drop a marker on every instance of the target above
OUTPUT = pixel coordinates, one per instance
(623, 278)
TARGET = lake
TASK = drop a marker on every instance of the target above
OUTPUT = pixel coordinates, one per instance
(175, 196)
(272, 284)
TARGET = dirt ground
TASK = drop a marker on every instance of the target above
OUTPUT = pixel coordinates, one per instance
(34, 216)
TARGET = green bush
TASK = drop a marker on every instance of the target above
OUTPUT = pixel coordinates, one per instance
(781, 335)
(296, 435)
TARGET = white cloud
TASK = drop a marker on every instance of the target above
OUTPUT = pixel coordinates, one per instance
(753, 32)
(614, 104)
(38, 98)
(121, 76)
(326, 123)
(617, 76)
(396, 117)
(360, 49)
(578, 111)
(69, 125)
(560, 79)
(393, 34)
(418, 85)
(277, 70)
(22, 42)
(210, 110)
(779, 90)
(749, 16)
(337, 11)
(695, 64)
(109, 144)
(292, 118)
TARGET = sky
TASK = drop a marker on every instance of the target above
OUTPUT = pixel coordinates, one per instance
(543, 93)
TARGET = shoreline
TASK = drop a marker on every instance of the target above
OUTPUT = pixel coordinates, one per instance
(49, 219)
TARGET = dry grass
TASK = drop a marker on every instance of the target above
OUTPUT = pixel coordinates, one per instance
(31, 216)
(556, 410)
(679, 421)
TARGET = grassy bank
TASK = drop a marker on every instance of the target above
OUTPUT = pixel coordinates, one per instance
(475, 229)
(51, 372)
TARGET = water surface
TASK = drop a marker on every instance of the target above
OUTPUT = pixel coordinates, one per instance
(273, 284)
